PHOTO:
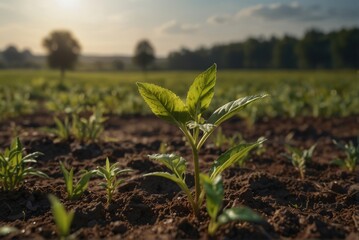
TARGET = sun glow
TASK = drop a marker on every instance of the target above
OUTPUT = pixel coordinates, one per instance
(68, 4)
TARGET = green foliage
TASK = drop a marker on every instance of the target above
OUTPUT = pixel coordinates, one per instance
(62, 218)
(187, 116)
(88, 129)
(5, 230)
(75, 190)
(81, 128)
(63, 129)
(352, 155)
(300, 158)
(110, 174)
(14, 166)
(213, 188)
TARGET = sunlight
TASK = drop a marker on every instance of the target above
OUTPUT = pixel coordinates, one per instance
(68, 4)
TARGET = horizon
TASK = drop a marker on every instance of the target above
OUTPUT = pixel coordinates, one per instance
(113, 28)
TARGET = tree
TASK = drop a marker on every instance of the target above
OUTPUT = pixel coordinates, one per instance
(284, 53)
(313, 50)
(144, 54)
(63, 51)
(13, 57)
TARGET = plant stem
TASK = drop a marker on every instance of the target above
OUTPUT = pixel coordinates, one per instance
(196, 176)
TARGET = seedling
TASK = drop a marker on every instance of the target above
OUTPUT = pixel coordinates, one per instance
(62, 218)
(110, 174)
(14, 166)
(75, 190)
(352, 155)
(187, 116)
(88, 129)
(214, 199)
(63, 129)
(300, 158)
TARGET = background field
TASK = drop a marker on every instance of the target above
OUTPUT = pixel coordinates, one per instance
(293, 93)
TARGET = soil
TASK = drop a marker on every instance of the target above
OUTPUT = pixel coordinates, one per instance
(322, 206)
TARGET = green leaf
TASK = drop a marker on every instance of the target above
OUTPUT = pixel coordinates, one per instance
(167, 175)
(239, 213)
(164, 103)
(232, 156)
(82, 184)
(5, 230)
(63, 219)
(175, 163)
(230, 109)
(201, 92)
(214, 194)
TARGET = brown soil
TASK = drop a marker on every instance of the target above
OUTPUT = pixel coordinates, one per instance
(324, 205)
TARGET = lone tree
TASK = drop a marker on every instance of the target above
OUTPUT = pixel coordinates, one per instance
(144, 54)
(63, 50)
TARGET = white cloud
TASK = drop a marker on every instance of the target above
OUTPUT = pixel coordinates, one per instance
(219, 19)
(173, 27)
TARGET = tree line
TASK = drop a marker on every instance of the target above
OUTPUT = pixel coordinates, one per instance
(315, 50)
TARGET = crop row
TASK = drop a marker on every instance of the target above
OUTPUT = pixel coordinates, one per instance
(295, 97)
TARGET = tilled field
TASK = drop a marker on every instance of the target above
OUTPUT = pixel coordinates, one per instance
(325, 205)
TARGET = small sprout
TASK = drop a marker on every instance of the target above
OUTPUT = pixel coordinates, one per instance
(300, 158)
(13, 166)
(352, 155)
(63, 129)
(75, 190)
(214, 199)
(110, 174)
(188, 117)
(88, 129)
(62, 218)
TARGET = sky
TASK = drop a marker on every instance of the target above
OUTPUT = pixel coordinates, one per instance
(114, 27)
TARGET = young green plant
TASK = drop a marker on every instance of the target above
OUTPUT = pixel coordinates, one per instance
(214, 199)
(110, 173)
(300, 158)
(62, 218)
(88, 129)
(352, 155)
(14, 166)
(75, 190)
(188, 117)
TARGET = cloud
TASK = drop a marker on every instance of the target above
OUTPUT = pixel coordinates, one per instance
(173, 27)
(219, 19)
(294, 11)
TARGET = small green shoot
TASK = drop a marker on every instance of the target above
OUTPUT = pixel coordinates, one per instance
(63, 129)
(300, 158)
(214, 199)
(62, 218)
(75, 190)
(110, 174)
(188, 117)
(14, 166)
(352, 155)
(88, 129)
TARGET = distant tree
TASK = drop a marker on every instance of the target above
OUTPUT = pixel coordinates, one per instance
(144, 54)
(12, 57)
(63, 51)
(284, 53)
(345, 48)
(313, 50)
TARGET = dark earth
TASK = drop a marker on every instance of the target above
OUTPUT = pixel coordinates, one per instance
(323, 206)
